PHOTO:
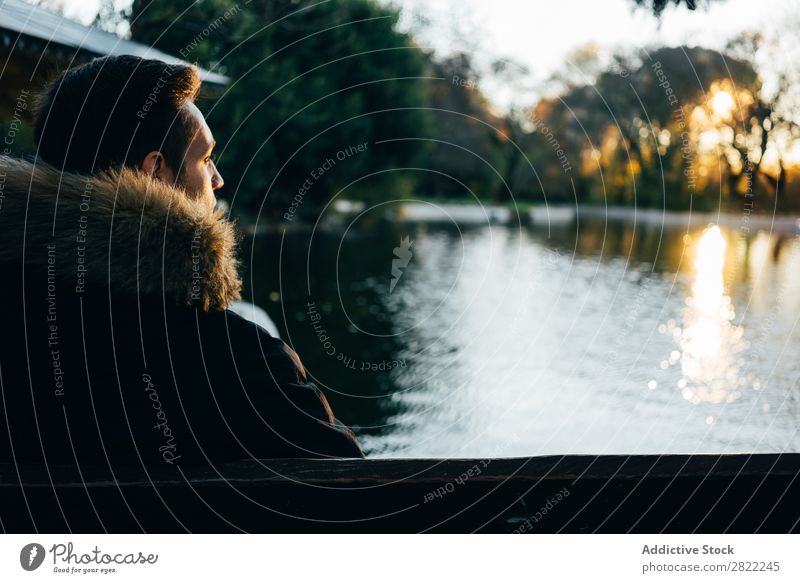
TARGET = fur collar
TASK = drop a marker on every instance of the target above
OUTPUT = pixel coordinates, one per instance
(119, 229)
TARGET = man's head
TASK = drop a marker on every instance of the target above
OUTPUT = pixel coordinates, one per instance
(126, 111)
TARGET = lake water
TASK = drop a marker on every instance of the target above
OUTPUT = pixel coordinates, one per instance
(599, 337)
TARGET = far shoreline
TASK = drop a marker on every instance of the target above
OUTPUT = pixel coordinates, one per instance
(422, 210)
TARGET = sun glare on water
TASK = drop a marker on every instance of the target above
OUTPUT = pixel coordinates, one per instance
(710, 343)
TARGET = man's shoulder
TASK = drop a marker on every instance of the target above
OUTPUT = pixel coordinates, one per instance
(228, 326)
(212, 325)
(234, 322)
(251, 342)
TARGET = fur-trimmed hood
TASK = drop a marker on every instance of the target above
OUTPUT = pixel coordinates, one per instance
(119, 229)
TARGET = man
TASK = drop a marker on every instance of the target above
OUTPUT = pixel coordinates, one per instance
(116, 345)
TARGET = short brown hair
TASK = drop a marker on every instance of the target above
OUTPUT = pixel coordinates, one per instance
(113, 111)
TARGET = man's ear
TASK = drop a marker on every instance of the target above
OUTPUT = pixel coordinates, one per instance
(155, 166)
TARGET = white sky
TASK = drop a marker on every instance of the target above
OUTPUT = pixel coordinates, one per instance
(540, 33)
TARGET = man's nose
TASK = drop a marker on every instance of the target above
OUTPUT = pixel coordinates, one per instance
(216, 181)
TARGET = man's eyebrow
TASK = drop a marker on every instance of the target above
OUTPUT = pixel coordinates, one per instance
(213, 145)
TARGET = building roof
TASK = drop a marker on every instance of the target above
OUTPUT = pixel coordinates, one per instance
(28, 20)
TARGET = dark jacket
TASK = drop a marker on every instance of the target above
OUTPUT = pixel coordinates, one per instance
(115, 344)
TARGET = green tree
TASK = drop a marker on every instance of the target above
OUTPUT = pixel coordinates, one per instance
(310, 82)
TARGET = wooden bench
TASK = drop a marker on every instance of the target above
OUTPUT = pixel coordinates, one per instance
(644, 493)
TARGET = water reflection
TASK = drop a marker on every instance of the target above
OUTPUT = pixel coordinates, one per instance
(710, 344)
(535, 341)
